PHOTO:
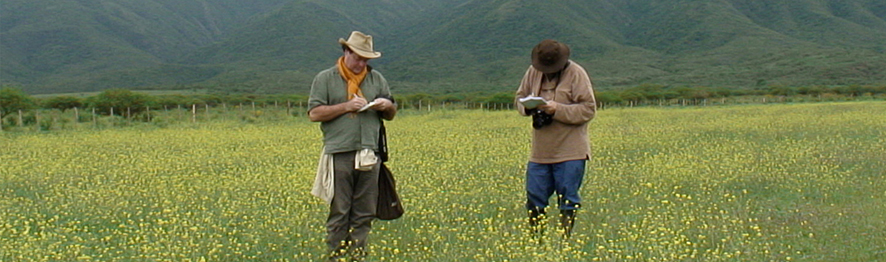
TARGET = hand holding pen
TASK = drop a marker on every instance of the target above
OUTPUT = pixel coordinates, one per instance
(355, 104)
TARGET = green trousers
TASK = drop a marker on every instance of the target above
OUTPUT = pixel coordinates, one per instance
(353, 205)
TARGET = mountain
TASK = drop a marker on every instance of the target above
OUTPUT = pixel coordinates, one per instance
(437, 46)
(714, 43)
(291, 44)
(78, 45)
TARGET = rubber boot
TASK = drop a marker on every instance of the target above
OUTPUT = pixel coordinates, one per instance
(536, 223)
(567, 222)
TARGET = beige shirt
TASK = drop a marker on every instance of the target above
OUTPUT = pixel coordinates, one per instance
(567, 137)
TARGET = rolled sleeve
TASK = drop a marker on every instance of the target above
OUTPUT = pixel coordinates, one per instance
(319, 92)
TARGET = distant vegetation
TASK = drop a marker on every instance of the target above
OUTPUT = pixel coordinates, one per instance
(437, 46)
(20, 109)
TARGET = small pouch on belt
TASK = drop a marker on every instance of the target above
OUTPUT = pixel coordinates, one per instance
(365, 160)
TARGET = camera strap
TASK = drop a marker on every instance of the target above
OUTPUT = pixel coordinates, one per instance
(541, 86)
(557, 77)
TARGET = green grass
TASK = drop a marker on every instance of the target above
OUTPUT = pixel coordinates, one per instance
(732, 183)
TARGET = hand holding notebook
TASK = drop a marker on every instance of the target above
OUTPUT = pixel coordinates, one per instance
(531, 102)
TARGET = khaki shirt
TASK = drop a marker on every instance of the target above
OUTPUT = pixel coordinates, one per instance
(351, 131)
(567, 137)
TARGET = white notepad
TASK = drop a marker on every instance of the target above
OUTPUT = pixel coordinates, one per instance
(531, 102)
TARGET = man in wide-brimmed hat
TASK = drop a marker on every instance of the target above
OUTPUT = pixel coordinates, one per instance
(340, 99)
(560, 146)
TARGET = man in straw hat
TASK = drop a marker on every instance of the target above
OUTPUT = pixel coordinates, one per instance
(560, 147)
(350, 124)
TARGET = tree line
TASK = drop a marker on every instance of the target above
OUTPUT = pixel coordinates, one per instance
(652, 92)
(127, 103)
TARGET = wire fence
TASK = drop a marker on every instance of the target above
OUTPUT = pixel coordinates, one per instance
(55, 119)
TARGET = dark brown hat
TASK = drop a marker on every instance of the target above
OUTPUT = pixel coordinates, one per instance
(550, 56)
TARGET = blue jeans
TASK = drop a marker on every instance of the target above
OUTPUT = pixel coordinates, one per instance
(542, 180)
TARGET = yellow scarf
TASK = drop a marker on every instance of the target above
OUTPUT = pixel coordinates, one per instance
(354, 80)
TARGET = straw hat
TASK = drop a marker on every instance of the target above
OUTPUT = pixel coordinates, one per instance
(550, 56)
(361, 44)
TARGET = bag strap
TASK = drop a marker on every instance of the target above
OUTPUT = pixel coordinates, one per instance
(383, 136)
(382, 143)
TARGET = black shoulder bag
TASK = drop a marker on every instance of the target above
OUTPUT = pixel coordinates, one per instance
(389, 205)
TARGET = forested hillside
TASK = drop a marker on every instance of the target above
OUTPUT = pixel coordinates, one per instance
(276, 46)
(73, 45)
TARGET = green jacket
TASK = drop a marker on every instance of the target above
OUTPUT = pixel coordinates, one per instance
(351, 131)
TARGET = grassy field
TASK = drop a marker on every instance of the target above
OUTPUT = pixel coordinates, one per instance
(800, 182)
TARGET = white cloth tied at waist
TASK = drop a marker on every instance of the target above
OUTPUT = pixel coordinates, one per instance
(324, 186)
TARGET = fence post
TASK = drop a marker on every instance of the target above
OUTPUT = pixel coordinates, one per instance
(1, 121)
(21, 121)
(36, 120)
(94, 120)
(76, 115)
(194, 113)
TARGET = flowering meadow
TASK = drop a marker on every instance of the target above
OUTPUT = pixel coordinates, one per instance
(801, 182)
